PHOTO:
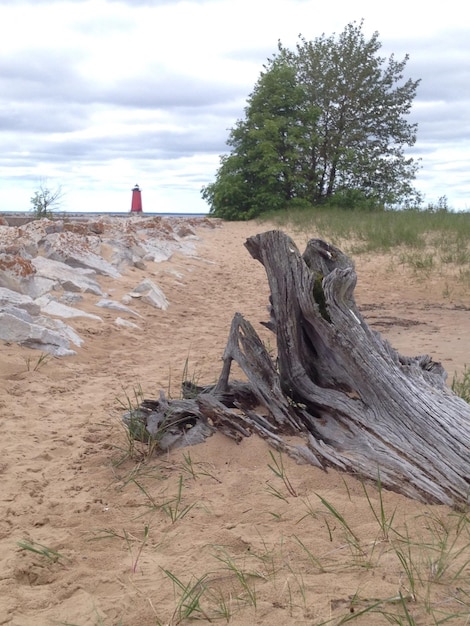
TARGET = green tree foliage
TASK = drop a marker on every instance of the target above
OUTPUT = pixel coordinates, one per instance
(326, 122)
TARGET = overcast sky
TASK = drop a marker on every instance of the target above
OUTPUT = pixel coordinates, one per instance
(99, 95)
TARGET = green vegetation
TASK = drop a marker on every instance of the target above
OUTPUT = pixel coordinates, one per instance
(430, 240)
(40, 549)
(382, 231)
(34, 366)
(461, 385)
(325, 124)
(46, 200)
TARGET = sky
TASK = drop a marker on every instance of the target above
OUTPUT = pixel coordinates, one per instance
(99, 95)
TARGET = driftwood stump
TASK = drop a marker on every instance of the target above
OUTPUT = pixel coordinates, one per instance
(337, 394)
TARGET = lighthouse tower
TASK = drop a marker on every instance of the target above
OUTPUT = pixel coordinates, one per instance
(136, 206)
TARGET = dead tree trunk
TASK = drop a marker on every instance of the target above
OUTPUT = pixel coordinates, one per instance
(338, 395)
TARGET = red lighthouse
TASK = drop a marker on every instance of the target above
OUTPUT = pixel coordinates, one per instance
(136, 206)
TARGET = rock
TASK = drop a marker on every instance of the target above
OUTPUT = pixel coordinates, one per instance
(77, 251)
(37, 332)
(185, 230)
(139, 264)
(117, 306)
(150, 293)
(69, 297)
(121, 322)
(16, 272)
(42, 256)
(70, 279)
(9, 298)
(63, 329)
(50, 306)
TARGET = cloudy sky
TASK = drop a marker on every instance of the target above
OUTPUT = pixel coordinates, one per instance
(99, 95)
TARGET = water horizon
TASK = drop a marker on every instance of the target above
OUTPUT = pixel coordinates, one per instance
(60, 214)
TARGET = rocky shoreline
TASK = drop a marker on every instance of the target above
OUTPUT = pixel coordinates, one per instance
(46, 265)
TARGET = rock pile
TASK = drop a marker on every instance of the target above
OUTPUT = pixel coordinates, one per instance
(46, 264)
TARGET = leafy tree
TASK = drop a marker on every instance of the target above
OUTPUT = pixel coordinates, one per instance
(325, 121)
(45, 200)
(263, 172)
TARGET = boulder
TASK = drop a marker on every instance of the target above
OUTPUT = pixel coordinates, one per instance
(9, 298)
(150, 293)
(37, 332)
(77, 251)
(119, 321)
(51, 306)
(16, 273)
(117, 306)
(70, 279)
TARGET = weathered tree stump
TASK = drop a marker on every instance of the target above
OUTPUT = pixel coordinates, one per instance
(337, 395)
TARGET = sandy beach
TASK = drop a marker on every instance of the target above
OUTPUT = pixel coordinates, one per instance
(126, 539)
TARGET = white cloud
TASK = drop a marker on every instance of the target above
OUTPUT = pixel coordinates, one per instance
(100, 94)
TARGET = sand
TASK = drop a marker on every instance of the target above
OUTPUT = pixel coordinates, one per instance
(117, 531)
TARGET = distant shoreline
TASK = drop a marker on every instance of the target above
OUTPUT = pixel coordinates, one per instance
(17, 218)
(101, 213)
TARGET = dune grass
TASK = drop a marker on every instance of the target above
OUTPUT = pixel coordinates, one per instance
(443, 237)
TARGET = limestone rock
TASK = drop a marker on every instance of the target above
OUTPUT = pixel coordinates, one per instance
(50, 306)
(37, 332)
(9, 298)
(77, 251)
(44, 256)
(16, 273)
(117, 306)
(119, 321)
(70, 279)
(150, 293)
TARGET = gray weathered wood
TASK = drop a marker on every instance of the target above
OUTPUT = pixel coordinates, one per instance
(347, 398)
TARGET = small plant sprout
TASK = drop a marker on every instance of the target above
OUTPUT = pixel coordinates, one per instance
(174, 507)
(385, 523)
(135, 559)
(351, 537)
(243, 578)
(34, 366)
(189, 465)
(189, 601)
(461, 385)
(315, 561)
(39, 548)
(279, 470)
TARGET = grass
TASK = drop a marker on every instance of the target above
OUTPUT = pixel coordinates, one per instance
(33, 365)
(174, 507)
(244, 578)
(278, 469)
(423, 240)
(384, 521)
(134, 429)
(461, 384)
(40, 549)
(188, 598)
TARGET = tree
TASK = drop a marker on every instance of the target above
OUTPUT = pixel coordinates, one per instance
(264, 170)
(337, 395)
(325, 120)
(45, 200)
